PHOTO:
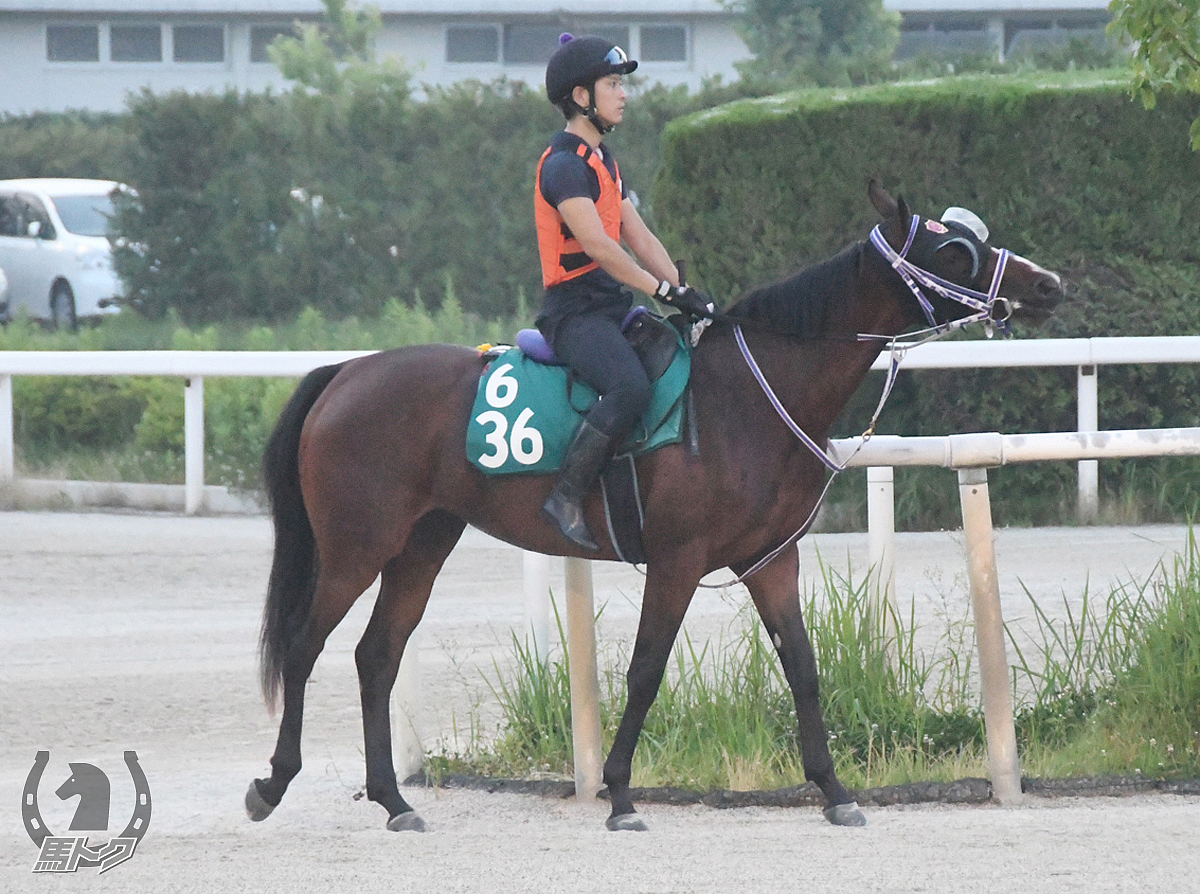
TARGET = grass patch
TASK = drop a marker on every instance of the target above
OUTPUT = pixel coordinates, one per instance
(1111, 686)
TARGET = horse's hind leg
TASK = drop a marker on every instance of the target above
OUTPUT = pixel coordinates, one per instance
(403, 594)
(333, 595)
(776, 593)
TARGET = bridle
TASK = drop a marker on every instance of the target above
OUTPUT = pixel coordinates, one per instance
(982, 306)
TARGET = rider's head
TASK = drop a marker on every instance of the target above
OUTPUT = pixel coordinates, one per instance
(580, 62)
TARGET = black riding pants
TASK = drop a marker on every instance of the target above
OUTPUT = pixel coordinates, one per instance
(592, 345)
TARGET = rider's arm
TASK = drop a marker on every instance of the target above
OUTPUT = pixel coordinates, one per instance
(580, 215)
(645, 245)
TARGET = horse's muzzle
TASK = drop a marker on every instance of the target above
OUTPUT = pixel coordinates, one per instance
(1033, 292)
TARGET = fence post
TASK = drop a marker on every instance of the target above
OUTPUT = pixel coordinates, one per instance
(7, 453)
(1003, 763)
(406, 705)
(1088, 506)
(881, 536)
(536, 568)
(585, 682)
(193, 444)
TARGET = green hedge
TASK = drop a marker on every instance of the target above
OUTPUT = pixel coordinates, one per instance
(1076, 176)
(74, 144)
(1067, 172)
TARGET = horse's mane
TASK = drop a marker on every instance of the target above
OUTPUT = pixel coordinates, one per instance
(808, 303)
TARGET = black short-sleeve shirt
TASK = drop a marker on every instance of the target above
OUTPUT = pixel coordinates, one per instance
(567, 175)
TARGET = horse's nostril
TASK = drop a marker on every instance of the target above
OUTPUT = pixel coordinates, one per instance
(1050, 286)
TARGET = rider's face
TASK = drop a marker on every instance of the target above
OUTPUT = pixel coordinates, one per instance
(609, 96)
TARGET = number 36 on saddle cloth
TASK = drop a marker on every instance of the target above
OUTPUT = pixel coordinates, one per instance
(527, 409)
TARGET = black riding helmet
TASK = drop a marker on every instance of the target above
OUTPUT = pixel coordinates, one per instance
(580, 62)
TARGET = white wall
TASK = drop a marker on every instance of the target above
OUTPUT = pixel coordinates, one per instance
(30, 83)
(714, 48)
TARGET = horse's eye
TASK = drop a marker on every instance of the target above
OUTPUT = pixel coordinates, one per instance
(963, 255)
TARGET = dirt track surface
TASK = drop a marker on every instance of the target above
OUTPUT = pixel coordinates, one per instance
(137, 631)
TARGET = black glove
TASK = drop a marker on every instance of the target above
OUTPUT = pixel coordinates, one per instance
(687, 300)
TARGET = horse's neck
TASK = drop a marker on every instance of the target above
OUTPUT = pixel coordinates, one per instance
(814, 380)
(815, 377)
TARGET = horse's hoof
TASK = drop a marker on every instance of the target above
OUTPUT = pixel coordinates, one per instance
(845, 815)
(406, 822)
(626, 822)
(257, 807)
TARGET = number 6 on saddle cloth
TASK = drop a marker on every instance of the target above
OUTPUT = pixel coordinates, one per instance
(529, 406)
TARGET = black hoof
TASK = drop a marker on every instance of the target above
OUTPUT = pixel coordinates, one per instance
(406, 822)
(845, 815)
(257, 807)
(626, 822)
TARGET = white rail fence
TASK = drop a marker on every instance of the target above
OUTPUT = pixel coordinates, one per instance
(971, 455)
(192, 367)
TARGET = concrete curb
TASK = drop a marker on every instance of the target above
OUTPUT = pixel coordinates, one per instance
(29, 493)
(962, 791)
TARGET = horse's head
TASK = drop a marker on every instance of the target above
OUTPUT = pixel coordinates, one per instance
(953, 272)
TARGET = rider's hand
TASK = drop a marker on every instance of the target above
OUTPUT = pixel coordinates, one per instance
(686, 299)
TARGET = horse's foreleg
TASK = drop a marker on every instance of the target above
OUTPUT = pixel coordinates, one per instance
(332, 598)
(403, 594)
(776, 593)
(665, 600)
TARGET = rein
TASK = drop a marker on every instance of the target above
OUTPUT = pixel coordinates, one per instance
(983, 306)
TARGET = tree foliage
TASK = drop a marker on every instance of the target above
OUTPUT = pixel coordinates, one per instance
(822, 42)
(260, 205)
(1166, 47)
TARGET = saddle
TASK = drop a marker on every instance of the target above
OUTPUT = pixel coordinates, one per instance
(653, 339)
(528, 406)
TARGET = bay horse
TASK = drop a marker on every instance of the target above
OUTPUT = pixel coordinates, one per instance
(367, 476)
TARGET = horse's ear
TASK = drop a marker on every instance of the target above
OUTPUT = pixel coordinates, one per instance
(881, 199)
(895, 213)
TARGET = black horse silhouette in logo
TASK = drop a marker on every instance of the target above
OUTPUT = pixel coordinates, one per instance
(94, 791)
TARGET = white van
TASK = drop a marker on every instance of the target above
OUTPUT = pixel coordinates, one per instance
(55, 251)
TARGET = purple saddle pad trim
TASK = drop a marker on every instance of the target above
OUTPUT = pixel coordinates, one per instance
(533, 344)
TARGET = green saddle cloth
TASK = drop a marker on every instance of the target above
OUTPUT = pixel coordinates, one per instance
(526, 413)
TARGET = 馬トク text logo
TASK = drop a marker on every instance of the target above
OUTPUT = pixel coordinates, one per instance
(67, 853)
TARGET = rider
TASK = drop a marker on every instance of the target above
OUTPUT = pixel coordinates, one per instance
(583, 212)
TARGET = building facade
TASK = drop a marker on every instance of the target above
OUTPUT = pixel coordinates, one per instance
(91, 54)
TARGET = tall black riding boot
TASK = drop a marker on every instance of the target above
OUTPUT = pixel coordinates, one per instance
(564, 507)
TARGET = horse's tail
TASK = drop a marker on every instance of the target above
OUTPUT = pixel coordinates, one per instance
(294, 566)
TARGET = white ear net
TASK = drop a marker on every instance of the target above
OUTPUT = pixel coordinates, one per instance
(968, 219)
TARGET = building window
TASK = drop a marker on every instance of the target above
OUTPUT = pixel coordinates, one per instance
(612, 33)
(135, 43)
(472, 43)
(73, 43)
(261, 37)
(962, 25)
(199, 43)
(530, 44)
(664, 43)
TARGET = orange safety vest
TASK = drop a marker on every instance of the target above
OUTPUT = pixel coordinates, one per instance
(563, 258)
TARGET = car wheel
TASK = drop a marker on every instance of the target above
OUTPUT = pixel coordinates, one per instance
(62, 307)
